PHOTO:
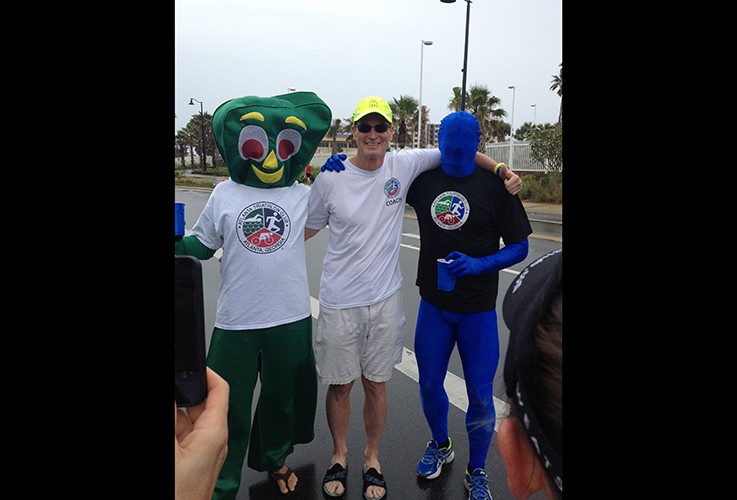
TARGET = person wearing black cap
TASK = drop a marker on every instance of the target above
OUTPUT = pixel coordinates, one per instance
(530, 439)
(463, 213)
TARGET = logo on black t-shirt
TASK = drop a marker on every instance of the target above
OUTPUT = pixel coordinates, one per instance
(263, 227)
(450, 210)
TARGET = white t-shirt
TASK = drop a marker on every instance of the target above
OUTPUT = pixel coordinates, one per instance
(364, 210)
(263, 273)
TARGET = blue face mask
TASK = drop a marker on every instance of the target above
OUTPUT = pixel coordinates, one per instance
(458, 139)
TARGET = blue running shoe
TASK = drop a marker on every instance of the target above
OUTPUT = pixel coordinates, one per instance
(477, 484)
(432, 463)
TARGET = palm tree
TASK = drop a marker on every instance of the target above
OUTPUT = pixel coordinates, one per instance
(524, 131)
(481, 103)
(423, 139)
(196, 127)
(209, 139)
(404, 110)
(348, 129)
(557, 85)
(336, 127)
(502, 129)
(455, 102)
(180, 142)
(192, 131)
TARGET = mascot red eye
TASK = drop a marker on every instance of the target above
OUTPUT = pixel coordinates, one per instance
(287, 144)
(253, 143)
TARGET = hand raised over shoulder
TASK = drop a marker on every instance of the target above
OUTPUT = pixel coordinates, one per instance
(334, 163)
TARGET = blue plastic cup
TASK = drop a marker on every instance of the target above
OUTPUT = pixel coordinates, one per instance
(446, 282)
(178, 221)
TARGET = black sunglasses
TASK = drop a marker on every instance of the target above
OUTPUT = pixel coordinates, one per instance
(365, 128)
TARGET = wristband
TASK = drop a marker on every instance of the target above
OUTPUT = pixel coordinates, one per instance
(498, 167)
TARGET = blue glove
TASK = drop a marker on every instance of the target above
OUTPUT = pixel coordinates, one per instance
(334, 163)
(463, 265)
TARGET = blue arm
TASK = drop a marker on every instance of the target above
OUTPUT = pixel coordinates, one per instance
(464, 265)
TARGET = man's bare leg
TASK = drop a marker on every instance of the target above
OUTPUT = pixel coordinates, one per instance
(338, 409)
(374, 418)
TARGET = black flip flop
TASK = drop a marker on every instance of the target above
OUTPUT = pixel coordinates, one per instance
(284, 476)
(372, 477)
(335, 473)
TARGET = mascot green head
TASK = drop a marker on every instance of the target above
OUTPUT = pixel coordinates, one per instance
(267, 142)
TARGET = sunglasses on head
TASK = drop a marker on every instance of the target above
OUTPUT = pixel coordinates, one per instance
(366, 128)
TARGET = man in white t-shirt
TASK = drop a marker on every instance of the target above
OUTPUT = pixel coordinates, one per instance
(360, 329)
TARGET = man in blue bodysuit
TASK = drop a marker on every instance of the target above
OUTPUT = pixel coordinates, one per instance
(462, 211)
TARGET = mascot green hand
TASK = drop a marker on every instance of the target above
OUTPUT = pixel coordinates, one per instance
(267, 142)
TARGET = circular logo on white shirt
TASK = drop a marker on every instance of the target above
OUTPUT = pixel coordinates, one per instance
(450, 210)
(391, 188)
(263, 227)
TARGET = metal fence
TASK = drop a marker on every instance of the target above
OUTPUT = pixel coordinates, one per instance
(522, 161)
(497, 150)
(320, 158)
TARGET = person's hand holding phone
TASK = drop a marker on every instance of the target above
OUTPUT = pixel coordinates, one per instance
(190, 359)
(201, 441)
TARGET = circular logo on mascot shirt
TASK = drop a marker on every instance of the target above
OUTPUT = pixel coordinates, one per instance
(450, 210)
(263, 227)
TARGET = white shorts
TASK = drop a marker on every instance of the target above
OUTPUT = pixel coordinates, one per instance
(366, 340)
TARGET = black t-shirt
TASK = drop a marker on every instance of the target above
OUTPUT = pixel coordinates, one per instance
(469, 215)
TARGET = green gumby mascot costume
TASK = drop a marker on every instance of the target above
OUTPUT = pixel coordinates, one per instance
(263, 324)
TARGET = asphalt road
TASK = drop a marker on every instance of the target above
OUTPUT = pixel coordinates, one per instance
(406, 432)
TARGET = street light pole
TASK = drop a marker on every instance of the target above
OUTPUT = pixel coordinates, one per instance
(419, 110)
(534, 114)
(511, 132)
(202, 125)
(465, 52)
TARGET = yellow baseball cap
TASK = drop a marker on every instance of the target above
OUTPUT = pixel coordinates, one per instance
(372, 104)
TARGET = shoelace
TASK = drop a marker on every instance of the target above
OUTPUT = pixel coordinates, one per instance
(480, 487)
(431, 455)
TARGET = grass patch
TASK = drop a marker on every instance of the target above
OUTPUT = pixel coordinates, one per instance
(185, 180)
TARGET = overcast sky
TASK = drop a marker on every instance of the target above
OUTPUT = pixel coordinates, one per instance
(345, 50)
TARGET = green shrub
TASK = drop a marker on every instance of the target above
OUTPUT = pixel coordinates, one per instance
(546, 147)
(218, 171)
(185, 180)
(547, 188)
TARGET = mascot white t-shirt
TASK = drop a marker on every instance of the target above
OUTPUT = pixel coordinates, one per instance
(263, 268)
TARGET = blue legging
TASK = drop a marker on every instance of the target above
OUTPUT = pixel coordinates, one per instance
(477, 337)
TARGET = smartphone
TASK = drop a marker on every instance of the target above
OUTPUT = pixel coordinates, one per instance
(190, 374)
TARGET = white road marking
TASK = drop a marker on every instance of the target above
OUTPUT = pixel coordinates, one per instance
(409, 246)
(455, 386)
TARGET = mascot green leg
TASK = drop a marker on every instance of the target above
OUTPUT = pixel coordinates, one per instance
(283, 359)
